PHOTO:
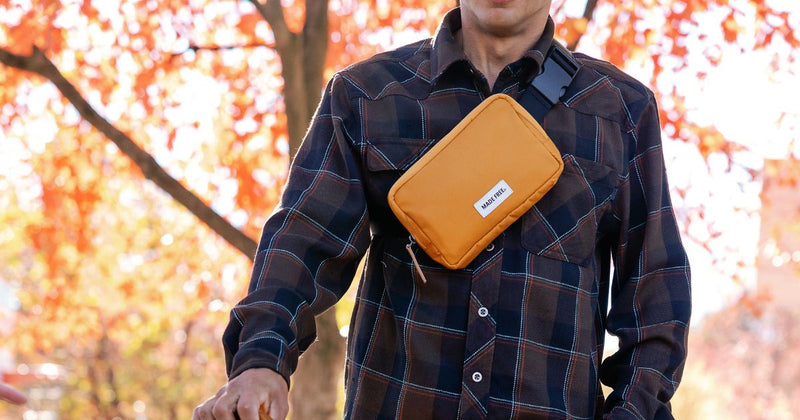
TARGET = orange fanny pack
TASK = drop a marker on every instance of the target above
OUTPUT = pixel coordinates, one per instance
(476, 181)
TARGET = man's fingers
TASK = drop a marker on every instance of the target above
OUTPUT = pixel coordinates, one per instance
(261, 406)
(225, 406)
(249, 404)
(201, 412)
(278, 410)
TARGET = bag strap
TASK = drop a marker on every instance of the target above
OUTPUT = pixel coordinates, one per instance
(547, 88)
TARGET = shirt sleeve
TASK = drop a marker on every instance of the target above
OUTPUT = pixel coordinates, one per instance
(309, 248)
(650, 295)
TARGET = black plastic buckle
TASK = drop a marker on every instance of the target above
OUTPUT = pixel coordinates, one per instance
(558, 70)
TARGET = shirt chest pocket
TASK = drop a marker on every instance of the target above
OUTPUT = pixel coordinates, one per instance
(564, 223)
(386, 159)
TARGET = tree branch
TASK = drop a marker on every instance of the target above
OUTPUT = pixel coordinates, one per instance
(291, 47)
(38, 63)
(182, 357)
(196, 48)
(104, 355)
(94, 382)
(588, 14)
(315, 48)
(272, 11)
(558, 8)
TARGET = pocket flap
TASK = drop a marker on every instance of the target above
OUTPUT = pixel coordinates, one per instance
(395, 153)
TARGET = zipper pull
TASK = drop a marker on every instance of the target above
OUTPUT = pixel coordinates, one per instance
(410, 243)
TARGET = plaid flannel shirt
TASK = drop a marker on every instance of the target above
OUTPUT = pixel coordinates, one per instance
(519, 333)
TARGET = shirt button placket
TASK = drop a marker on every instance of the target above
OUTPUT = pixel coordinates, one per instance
(481, 333)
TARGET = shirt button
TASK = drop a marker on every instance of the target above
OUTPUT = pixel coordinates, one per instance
(482, 312)
(490, 248)
(477, 377)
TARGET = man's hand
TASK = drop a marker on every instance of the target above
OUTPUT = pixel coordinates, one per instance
(253, 393)
(9, 394)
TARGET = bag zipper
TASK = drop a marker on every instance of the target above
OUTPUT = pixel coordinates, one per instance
(410, 243)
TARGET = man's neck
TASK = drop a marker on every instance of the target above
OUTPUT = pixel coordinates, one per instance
(490, 54)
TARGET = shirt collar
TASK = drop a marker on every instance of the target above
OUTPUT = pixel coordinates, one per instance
(446, 50)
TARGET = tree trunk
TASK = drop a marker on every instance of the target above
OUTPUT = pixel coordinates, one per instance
(317, 381)
(316, 384)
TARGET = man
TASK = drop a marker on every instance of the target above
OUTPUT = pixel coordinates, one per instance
(518, 333)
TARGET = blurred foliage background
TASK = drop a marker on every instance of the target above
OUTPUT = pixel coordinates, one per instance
(143, 143)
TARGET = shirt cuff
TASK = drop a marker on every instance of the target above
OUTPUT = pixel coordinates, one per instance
(620, 412)
(256, 358)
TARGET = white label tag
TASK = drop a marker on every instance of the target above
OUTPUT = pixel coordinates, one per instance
(489, 202)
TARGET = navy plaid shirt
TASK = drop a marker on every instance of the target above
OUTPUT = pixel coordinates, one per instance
(518, 333)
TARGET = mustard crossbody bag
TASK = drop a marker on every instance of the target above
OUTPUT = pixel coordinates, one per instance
(475, 182)
(489, 170)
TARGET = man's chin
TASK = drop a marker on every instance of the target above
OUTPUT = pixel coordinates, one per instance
(500, 28)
